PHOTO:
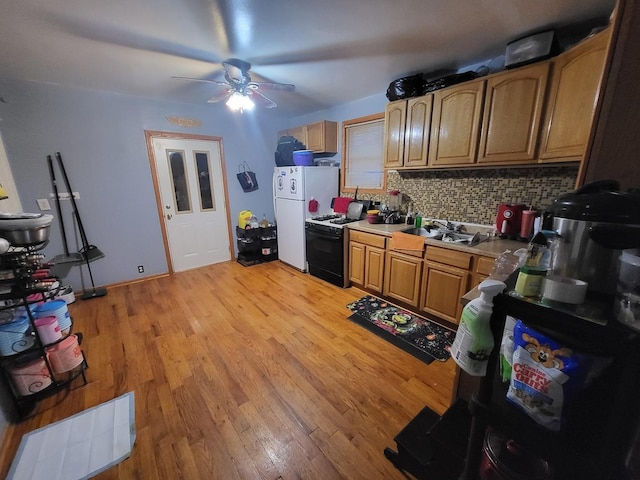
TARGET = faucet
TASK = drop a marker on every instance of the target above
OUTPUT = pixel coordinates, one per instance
(393, 217)
(449, 225)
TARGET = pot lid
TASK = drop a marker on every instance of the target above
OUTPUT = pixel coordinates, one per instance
(600, 201)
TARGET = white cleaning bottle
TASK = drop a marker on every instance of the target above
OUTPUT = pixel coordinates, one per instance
(474, 341)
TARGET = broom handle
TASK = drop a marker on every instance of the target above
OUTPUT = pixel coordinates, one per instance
(83, 235)
(58, 209)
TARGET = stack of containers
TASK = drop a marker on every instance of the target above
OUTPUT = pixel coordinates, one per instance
(48, 329)
(65, 355)
(15, 335)
(30, 377)
(58, 309)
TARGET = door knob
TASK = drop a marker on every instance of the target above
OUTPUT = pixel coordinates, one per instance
(169, 216)
(167, 207)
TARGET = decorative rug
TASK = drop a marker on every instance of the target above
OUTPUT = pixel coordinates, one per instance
(418, 336)
(80, 446)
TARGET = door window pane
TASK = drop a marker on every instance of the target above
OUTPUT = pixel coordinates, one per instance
(182, 201)
(205, 184)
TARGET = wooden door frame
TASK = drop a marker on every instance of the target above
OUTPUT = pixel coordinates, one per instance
(150, 135)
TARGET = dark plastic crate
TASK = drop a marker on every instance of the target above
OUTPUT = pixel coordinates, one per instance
(248, 247)
(248, 232)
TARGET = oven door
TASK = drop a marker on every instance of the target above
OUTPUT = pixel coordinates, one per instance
(325, 255)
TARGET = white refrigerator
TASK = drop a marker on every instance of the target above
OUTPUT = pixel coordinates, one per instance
(294, 188)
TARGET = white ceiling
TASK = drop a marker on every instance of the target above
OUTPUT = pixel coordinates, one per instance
(334, 51)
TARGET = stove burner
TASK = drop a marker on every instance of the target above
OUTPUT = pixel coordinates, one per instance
(342, 221)
(330, 216)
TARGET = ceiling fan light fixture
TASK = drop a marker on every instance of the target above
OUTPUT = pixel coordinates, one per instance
(239, 101)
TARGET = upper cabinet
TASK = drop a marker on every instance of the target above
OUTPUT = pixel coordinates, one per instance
(455, 127)
(407, 124)
(322, 137)
(573, 96)
(395, 119)
(512, 114)
(319, 137)
(538, 113)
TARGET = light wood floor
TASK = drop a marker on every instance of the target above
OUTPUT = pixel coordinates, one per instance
(245, 373)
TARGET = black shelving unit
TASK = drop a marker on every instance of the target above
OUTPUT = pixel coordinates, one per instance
(600, 424)
(21, 265)
(257, 245)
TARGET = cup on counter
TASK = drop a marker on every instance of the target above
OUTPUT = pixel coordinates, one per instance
(526, 225)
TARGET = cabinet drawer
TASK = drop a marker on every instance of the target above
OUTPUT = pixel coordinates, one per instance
(484, 265)
(368, 238)
(449, 257)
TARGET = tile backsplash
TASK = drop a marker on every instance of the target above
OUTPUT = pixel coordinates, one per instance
(474, 195)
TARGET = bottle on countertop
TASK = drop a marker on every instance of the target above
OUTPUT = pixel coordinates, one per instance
(474, 341)
(264, 223)
(254, 222)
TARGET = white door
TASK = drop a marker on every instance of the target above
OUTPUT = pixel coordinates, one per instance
(191, 183)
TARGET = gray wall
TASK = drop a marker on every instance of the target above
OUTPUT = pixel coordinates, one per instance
(101, 139)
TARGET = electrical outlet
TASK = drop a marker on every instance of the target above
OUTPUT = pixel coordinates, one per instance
(140, 269)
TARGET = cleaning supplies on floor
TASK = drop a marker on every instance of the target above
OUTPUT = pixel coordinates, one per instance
(474, 341)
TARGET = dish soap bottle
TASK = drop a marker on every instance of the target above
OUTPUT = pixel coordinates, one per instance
(474, 341)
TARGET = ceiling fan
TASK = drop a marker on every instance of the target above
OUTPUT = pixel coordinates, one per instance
(239, 91)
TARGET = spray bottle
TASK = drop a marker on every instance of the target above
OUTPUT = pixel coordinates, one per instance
(474, 341)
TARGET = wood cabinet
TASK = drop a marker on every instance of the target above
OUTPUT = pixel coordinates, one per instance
(512, 115)
(319, 137)
(407, 130)
(455, 125)
(322, 137)
(482, 269)
(395, 114)
(402, 277)
(446, 279)
(533, 114)
(573, 97)
(367, 260)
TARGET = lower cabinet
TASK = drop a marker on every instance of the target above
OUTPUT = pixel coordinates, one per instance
(433, 285)
(482, 269)
(446, 279)
(402, 277)
(442, 288)
(367, 260)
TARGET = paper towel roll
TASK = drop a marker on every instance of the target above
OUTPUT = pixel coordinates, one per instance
(564, 289)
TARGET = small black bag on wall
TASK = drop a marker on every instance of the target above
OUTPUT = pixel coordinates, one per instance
(247, 178)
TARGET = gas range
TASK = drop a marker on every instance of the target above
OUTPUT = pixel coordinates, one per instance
(333, 220)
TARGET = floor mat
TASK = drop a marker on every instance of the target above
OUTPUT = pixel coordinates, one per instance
(80, 446)
(415, 335)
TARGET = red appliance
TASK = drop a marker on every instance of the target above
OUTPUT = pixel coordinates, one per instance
(509, 219)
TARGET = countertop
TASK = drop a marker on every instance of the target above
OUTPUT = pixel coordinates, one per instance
(492, 247)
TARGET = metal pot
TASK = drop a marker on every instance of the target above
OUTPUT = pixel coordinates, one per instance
(503, 459)
(25, 229)
(593, 225)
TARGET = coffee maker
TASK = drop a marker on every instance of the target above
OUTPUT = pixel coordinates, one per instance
(509, 219)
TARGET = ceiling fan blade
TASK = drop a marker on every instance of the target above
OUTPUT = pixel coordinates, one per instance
(260, 99)
(281, 87)
(221, 97)
(215, 82)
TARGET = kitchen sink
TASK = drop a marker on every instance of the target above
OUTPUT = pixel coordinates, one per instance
(433, 233)
(446, 236)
